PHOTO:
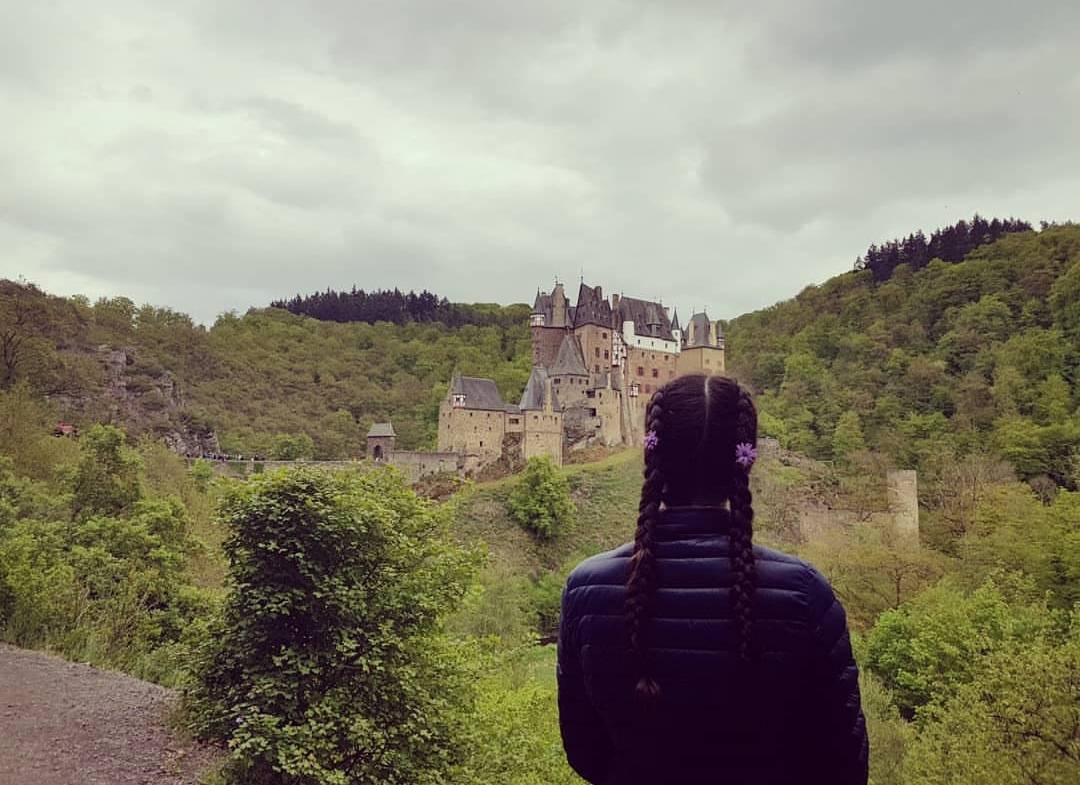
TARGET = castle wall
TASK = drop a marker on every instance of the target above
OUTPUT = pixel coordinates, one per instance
(471, 431)
(416, 465)
(607, 403)
(543, 435)
(903, 492)
(570, 389)
(650, 370)
(596, 346)
(545, 344)
(701, 359)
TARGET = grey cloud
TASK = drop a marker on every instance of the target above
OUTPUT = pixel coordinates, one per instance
(213, 156)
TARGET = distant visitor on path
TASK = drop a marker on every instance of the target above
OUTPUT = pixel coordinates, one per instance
(692, 655)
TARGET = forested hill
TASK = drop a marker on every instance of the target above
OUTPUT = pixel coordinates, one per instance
(396, 307)
(976, 356)
(950, 244)
(267, 382)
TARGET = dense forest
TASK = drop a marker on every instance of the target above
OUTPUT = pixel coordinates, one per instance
(395, 307)
(951, 244)
(263, 381)
(978, 357)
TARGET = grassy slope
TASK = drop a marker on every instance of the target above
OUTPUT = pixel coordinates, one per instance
(606, 496)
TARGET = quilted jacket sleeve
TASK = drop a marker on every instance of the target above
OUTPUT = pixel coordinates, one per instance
(839, 746)
(585, 739)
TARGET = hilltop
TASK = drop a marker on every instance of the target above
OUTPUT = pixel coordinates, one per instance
(247, 382)
(978, 356)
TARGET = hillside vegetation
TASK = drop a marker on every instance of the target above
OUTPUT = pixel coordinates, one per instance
(955, 359)
(253, 379)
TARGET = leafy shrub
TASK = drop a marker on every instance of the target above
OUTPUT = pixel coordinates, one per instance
(929, 647)
(108, 589)
(328, 665)
(513, 734)
(106, 481)
(540, 501)
(292, 447)
(1012, 725)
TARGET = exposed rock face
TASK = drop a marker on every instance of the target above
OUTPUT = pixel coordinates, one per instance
(142, 398)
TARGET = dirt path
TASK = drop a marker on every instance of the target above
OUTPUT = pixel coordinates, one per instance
(63, 723)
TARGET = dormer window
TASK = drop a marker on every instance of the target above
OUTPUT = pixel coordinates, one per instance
(459, 400)
(537, 320)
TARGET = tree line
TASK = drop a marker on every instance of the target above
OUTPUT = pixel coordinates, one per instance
(390, 305)
(951, 244)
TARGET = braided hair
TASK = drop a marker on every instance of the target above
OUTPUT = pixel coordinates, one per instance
(641, 584)
(692, 421)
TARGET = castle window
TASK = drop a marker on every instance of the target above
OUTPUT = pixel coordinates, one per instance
(481, 442)
(598, 369)
(556, 380)
(605, 354)
(603, 335)
(459, 399)
(597, 350)
(655, 373)
(515, 421)
(590, 393)
(640, 371)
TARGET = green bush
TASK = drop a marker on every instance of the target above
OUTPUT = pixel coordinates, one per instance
(540, 501)
(1016, 723)
(929, 647)
(106, 480)
(111, 590)
(328, 665)
(292, 447)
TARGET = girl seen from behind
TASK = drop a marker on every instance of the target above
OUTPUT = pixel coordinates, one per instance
(692, 655)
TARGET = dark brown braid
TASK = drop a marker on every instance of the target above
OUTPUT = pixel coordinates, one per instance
(697, 421)
(742, 526)
(641, 584)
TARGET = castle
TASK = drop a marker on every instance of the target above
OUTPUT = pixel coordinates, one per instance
(595, 365)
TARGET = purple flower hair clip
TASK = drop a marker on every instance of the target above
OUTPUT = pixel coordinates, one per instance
(745, 455)
(651, 440)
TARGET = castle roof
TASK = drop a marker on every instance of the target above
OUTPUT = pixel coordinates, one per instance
(542, 303)
(479, 394)
(675, 321)
(649, 318)
(570, 361)
(550, 305)
(702, 332)
(591, 307)
(381, 429)
(536, 392)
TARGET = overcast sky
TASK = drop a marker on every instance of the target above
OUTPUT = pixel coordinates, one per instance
(216, 155)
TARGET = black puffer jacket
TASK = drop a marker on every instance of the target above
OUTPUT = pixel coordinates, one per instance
(793, 716)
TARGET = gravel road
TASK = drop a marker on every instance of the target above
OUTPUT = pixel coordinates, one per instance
(63, 723)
